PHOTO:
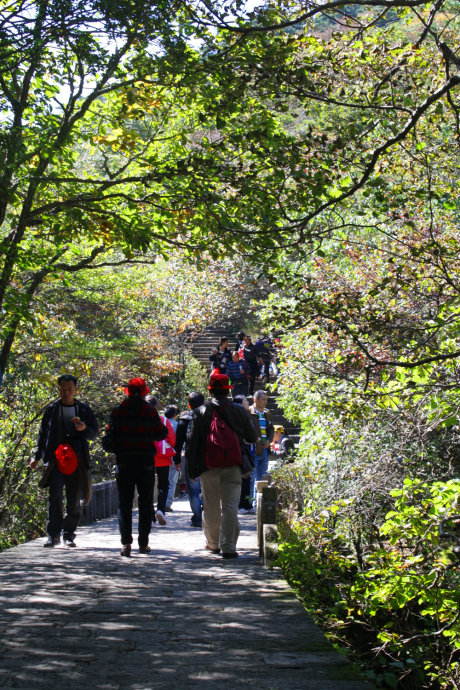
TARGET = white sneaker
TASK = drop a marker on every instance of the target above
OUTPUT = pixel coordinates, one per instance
(161, 517)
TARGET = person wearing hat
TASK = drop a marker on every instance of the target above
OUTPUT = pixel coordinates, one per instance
(67, 426)
(135, 426)
(281, 444)
(218, 464)
(239, 345)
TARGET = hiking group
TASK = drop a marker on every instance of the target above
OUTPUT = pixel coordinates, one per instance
(220, 447)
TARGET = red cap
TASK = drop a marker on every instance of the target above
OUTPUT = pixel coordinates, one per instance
(67, 460)
(218, 381)
(137, 385)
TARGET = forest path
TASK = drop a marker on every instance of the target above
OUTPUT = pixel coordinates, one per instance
(179, 617)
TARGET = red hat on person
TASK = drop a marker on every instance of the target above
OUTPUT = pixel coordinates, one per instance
(67, 460)
(219, 382)
(137, 385)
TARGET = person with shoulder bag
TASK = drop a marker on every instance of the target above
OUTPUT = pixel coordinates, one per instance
(67, 426)
(213, 453)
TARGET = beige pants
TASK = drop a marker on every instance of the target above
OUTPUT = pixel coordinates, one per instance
(221, 490)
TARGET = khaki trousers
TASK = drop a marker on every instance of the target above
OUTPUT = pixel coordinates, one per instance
(221, 490)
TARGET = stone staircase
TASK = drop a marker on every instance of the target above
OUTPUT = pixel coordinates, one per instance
(207, 340)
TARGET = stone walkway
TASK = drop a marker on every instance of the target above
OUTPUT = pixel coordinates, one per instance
(176, 618)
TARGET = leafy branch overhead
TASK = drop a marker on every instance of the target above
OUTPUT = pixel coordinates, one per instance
(207, 128)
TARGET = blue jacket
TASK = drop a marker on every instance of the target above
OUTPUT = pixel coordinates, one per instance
(234, 370)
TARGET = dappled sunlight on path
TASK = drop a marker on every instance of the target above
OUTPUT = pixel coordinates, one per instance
(178, 617)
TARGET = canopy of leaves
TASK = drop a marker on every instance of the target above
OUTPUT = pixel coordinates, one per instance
(210, 128)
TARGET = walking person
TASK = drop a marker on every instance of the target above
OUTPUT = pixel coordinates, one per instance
(67, 426)
(135, 426)
(195, 400)
(245, 505)
(239, 345)
(265, 352)
(163, 462)
(238, 373)
(251, 357)
(262, 421)
(281, 445)
(171, 413)
(214, 454)
(221, 355)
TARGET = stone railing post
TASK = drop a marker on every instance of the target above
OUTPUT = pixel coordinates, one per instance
(266, 515)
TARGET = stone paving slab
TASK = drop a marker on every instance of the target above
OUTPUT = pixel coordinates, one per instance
(176, 618)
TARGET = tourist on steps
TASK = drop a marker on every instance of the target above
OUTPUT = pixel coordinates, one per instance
(163, 462)
(221, 356)
(238, 373)
(245, 504)
(251, 357)
(239, 345)
(281, 444)
(265, 352)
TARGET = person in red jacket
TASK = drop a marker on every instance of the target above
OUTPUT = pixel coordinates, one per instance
(163, 460)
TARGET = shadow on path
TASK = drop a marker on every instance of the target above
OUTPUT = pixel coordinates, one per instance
(176, 618)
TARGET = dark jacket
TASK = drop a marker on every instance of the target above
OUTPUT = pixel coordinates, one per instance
(220, 359)
(235, 416)
(255, 422)
(48, 434)
(136, 426)
(265, 349)
(181, 435)
(284, 446)
(251, 357)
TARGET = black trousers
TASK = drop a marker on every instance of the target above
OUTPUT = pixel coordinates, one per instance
(142, 477)
(253, 374)
(240, 388)
(265, 369)
(57, 521)
(163, 486)
(245, 501)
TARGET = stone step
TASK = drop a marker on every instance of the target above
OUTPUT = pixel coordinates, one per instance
(202, 347)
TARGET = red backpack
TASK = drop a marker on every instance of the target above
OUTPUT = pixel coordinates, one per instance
(222, 445)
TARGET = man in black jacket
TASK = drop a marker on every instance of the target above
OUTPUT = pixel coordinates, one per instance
(252, 358)
(220, 485)
(195, 400)
(66, 422)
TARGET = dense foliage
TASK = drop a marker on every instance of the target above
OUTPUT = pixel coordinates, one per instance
(318, 142)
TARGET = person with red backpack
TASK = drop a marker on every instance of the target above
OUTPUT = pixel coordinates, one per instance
(213, 453)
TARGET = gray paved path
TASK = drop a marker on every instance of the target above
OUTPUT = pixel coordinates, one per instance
(177, 618)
